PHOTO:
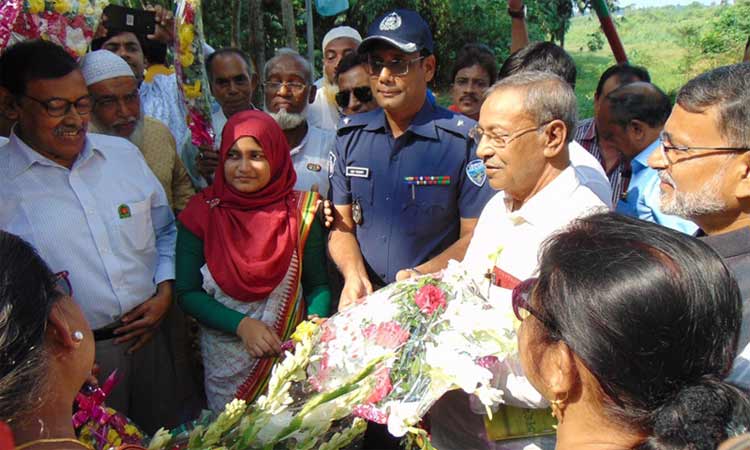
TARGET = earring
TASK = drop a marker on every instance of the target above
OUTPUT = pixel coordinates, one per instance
(77, 336)
(558, 407)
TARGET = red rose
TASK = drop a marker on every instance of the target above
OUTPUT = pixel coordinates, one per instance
(383, 385)
(429, 298)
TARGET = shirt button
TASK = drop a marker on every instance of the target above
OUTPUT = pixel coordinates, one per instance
(105, 250)
(382, 275)
(387, 197)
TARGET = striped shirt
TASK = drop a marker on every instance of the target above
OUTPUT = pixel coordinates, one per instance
(106, 220)
(585, 135)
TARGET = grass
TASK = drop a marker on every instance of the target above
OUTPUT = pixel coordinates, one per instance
(654, 38)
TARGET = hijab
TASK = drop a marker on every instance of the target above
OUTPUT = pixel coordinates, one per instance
(248, 239)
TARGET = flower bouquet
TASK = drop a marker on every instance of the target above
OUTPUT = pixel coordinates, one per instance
(387, 359)
(68, 23)
(102, 427)
(191, 71)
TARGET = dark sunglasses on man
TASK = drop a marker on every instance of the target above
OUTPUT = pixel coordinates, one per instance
(362, 93)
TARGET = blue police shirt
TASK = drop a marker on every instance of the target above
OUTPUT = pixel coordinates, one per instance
(403, 224)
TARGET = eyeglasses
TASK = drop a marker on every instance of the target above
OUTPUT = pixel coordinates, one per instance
(520, 301)
(59, 107)
(275, 86)
(396, 67)
(362, 93)
(501, 140)
(667, 147)
(62, 283)
(113, 101)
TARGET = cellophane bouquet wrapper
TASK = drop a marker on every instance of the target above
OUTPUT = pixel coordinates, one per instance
(68, 23)
(387, 359)
(190, 68)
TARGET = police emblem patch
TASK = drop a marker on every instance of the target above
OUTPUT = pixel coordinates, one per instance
(331, 164)
(390, 22)
(476, 172)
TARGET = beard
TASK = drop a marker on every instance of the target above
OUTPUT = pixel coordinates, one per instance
(136, 137)
(706, 201)
(330, 90)
(287, 120)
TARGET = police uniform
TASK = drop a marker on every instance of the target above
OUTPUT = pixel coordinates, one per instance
(407, 194)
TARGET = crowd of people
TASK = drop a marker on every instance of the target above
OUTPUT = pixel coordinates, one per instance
(125, 247)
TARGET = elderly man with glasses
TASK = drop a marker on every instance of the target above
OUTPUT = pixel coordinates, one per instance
(704, 168)
(288, 91)
(90, 204)
(525, 128)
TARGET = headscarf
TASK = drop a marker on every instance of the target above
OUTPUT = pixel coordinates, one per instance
(248, 239)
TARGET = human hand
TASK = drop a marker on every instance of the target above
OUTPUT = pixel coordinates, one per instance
(355, 287)
(164, 19)
(328, 213)
(260, 340)
(405, 274)
(142, 322)
(206, 161)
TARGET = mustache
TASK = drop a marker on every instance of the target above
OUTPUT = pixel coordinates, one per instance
(128, 121)
(667, 178)
(470, 97)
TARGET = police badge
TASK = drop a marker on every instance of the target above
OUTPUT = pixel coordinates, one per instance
(475, 170)
(390, 22)
(357, 212)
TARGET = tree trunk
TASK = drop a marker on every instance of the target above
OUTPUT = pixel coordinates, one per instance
(236, 8)
(287, 16)
(257, 42)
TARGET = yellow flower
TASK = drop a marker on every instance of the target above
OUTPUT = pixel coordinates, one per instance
(62, 6)
(193, 91)
(113, 438)
(187, 59)
(186, 35)
(304, 330)
(36, 6)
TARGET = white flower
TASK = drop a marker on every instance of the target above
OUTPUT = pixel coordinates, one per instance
(274, 426)
(160, 440)
(75, 40)
(401, 416)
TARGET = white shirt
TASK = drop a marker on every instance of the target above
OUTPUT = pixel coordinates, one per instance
(218, 120)
(596, 178)
(3, 140)
(310, 159)
(510, 240)
(321, 113)
(106, 221)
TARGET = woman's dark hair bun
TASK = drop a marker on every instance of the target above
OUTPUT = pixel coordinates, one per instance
(699, 417)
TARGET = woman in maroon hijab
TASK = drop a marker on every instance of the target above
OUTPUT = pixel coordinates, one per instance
(241, 246)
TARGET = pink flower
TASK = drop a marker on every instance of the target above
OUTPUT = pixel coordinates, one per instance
(487, 361)
(387, 334)
(383, 385)
(429, 298)
(328, 334)
(370, 413)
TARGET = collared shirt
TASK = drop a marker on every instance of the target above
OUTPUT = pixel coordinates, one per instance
(734, 248)
(160, 99)
(310, 159)
(3, 140)
(511, 240)
(644, 195)
(585, 135)
(403, 225)
(106, 221)
(218, 120)
(323, 112)
(589, 167)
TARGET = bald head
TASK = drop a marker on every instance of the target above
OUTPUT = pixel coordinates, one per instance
(298, 63)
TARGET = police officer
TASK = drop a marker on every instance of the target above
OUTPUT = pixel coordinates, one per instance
(406, 184)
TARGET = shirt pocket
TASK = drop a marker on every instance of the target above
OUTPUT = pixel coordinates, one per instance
(426, 213)
(135, 224)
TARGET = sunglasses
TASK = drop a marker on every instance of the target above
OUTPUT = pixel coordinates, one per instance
(520, 300)
(362, 93)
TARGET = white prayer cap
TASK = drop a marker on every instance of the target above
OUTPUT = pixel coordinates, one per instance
(102, 65)
(341, 32)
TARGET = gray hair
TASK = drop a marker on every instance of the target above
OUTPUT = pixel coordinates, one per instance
(548, 97)
(727, 88)
(308, 76)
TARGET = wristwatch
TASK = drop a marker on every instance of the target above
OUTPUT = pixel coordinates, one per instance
(520, 14)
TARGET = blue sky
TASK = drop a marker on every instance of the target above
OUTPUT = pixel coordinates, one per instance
(645, 3)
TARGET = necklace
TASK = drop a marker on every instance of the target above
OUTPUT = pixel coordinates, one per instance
(53, 441)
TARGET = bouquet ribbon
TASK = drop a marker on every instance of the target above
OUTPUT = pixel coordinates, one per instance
(91, 406)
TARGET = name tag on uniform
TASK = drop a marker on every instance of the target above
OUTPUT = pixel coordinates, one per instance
(357, 172)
